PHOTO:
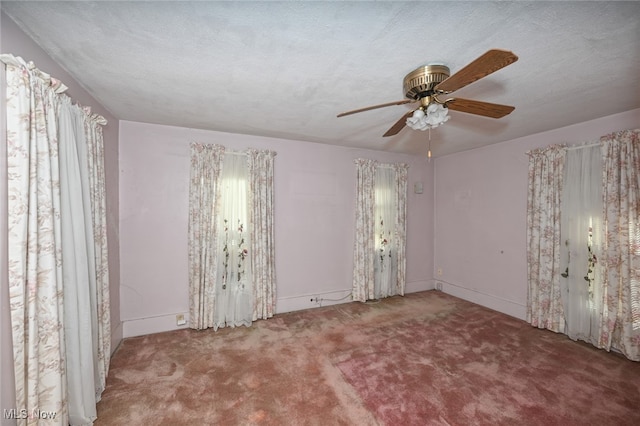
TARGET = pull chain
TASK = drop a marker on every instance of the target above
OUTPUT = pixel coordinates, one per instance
(429, 152)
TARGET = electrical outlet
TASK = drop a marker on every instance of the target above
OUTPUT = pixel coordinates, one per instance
(180, 320)
(438, 286)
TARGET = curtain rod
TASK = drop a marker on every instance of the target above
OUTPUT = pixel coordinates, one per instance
(585, 145)
(56, 85)
(391, 166)
(245, 153)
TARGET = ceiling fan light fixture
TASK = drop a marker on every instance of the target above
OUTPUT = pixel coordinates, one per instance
(426, 83)
(435, 116)
(423, 80)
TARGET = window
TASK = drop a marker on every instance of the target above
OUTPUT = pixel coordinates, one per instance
(386, 259)
(581, 233)
(233, 285)
(231, 265)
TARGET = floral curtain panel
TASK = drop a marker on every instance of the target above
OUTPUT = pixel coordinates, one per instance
(206, 164)
(544, 307)
(35, 252)
(364, 244)
(262, 214)
(401, 171)
(93, 124)
(620, 322)
(57, 248)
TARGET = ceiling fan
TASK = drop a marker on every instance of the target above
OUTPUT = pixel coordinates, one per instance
(426, 83)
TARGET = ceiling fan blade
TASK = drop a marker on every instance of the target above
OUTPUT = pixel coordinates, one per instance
(402, 102)
(490, 62)
(399, 125)
(478, 107)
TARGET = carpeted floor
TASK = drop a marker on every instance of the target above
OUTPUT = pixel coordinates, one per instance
(424, 359)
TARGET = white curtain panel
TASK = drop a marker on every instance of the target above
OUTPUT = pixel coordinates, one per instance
(78, 266)
(206, 164)
(580, 235)
(234, 300)
(546, 172)
(620, 322)
(262, 231)
(386, 254)
(59, 284)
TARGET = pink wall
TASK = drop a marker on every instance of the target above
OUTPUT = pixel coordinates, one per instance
(14, 41)
(314, 192)
(480, 214)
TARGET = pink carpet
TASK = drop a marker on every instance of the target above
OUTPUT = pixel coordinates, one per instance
(423, 359)
(478, 367)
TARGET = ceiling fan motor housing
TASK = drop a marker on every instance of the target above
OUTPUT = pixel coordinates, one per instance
(420, 82)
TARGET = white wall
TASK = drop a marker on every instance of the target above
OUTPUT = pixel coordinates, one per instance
(480, 214)
(314, 203)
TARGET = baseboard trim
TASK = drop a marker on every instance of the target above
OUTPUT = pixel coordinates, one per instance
(509, 307)
(151, 325)
(326, 298)
(161, 323)
(416, 286)
(116, 337)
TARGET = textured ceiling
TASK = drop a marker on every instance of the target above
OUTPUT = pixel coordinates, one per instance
(285, 69)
